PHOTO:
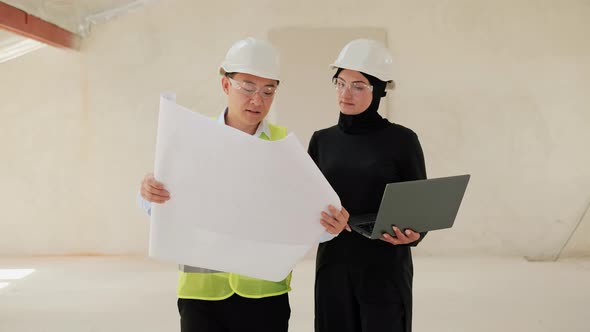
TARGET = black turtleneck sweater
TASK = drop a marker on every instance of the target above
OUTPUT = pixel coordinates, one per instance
(358, 157)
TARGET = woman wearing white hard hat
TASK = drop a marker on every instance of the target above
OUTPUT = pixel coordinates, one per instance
(216, 301)
(361, 284)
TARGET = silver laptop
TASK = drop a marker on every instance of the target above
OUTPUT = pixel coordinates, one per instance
(423, 205)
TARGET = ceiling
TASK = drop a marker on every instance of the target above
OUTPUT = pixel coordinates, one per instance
(76, 16)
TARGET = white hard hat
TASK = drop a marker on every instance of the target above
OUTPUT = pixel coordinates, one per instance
(252, 56)
(367, 56)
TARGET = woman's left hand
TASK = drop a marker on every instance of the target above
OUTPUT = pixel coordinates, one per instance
(408, 236)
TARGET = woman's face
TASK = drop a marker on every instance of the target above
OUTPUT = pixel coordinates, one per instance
(353, 91)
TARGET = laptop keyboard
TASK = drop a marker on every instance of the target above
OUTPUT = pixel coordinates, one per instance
(366, 226)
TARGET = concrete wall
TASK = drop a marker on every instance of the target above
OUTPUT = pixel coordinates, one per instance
(496, 89)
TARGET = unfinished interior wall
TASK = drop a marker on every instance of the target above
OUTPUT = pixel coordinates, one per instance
(495, 89)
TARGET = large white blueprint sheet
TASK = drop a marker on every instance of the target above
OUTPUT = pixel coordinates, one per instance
(237, 203)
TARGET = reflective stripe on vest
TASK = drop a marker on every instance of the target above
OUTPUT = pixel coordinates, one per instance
(193, 269)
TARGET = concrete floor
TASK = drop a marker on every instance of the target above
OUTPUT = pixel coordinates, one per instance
(451, 294)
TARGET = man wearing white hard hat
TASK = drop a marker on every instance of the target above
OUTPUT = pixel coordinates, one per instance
(365, 285)
(214, 301)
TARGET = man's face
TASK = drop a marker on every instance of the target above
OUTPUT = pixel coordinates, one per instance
(249, 97)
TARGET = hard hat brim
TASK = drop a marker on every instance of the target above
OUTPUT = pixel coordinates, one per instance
(237, 69)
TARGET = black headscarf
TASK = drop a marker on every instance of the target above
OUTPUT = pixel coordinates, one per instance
(369, 120)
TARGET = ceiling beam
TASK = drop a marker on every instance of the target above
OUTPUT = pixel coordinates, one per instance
(24, 24)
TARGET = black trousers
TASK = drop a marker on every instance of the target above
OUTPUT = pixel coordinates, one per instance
(352, 298)
(235, 314)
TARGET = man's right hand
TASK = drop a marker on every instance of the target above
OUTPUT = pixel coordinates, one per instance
(152, 190)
